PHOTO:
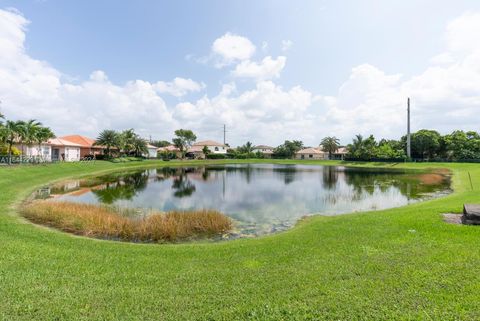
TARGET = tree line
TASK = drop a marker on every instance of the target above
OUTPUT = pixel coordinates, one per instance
(426, 145)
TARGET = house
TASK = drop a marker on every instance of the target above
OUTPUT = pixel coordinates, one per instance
(214, 147)
(267, 151)
(87, 147)
(64, 150)
(39, 152)
(340, 153)
(170, 149)
(311, 153)
(55, 149)
(152, 151)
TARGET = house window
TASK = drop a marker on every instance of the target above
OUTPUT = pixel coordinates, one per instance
(310, 156)
(216, 149)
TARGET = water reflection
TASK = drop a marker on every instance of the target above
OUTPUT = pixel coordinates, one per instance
(262, 198)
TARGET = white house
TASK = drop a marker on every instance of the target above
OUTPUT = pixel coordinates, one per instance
(55, 149)
(64, 150)
(267, 151)
(152, 151)
(213, 146)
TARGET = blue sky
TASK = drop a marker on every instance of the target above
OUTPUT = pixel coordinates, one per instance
(156, 41)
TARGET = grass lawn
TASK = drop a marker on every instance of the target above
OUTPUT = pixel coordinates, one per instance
(402, 263)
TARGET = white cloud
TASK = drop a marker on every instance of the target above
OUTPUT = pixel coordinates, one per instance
(286, 45)
(463, 32)
(30, 88)
(266, 113)
(179, 86)
(231, 48)
(268, 68)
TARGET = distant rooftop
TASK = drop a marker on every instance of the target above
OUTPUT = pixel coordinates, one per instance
(263, 147)
(208, 143)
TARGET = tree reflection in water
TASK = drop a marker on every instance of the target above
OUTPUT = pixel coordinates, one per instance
(124, 187)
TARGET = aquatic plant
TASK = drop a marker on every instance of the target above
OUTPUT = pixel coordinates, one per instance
(108, 223)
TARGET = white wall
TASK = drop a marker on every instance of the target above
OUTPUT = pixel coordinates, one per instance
(72, 154)
(152, 153)
(313, 156)
(43, 151)
(221, 149)
(262, 150)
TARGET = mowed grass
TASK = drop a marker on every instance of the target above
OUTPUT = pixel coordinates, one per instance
(403, 263)
(107, 223)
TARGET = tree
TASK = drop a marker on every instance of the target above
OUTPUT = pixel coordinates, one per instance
(127, 141)
(426, 144)
(139, 146)
(330, 145)
(205, 150)
(42, 135)
(28, 131)
(161, 143)
(461, 146)
(184, 140)
(247, 148)
(108, 138)
(11, 134)
(363, 149)
(288, 149)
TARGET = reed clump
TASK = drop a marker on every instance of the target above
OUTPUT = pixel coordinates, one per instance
(105, 222)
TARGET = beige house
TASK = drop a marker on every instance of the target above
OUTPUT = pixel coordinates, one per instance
(311, 153)
(340, 153)
(267, 151)
(319, 153)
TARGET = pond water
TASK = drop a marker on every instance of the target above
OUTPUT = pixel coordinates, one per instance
(261, 198)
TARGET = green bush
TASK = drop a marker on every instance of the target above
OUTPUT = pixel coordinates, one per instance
(216, 156)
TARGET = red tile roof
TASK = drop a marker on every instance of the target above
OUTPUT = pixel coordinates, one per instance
(80, 140)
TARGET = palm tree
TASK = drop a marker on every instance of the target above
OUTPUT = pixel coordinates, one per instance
(42, 134)
(11, 134)
(127, 139)
(330, 145)
(108, 138)
(139, 146)
(29, 130)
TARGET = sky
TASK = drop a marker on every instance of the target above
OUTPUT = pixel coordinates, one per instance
(269, 70)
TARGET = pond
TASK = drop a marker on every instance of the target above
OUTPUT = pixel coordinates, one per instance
(260, 198)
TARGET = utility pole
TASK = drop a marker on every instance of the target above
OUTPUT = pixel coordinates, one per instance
(224, 134)
(409, 142)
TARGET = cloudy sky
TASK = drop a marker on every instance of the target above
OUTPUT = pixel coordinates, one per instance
(270, 70)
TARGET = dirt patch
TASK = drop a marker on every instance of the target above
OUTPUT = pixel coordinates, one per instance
(431, 178)
(452, 218)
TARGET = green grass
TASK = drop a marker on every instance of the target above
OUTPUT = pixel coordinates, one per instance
(402, 263)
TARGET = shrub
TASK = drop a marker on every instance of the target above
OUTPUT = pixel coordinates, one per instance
(216, 156)
(103, 157)
(15, 151)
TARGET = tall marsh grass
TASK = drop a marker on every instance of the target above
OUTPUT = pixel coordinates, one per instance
(107, 223)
